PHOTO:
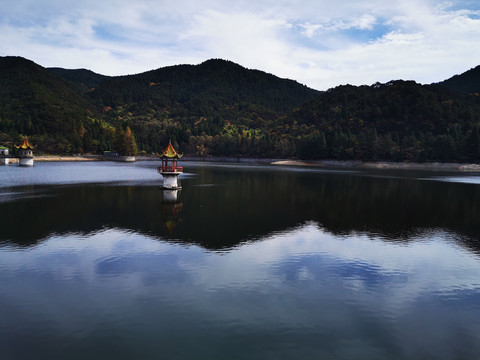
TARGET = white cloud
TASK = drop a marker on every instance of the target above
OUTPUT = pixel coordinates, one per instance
(310, 29)
(245, 38)
(319, 43)
(365, 22)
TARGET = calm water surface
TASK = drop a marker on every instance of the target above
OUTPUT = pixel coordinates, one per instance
(246, 262)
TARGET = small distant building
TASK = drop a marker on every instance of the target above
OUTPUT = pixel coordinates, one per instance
(4, 157)
(25, 153)
(170, 169)
(110, 153)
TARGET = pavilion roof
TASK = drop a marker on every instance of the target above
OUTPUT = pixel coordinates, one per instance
(170, 151)
(25, 145)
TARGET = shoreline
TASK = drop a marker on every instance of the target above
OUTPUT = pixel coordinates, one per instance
(462, 167)
(434, 166)
(47, 158)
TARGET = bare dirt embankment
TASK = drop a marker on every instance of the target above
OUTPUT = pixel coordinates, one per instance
(424, 166)
(67, 158)
(383, 165)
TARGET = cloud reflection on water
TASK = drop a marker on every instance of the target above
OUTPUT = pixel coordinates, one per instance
(304, 280)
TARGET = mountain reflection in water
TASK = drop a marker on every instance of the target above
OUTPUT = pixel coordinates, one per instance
(248, 203)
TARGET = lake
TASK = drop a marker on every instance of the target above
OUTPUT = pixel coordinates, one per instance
(245, 262)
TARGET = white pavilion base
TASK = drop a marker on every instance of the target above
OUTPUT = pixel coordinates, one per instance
(170, 180)
(26, 161)
(4, 161)
(170, 196)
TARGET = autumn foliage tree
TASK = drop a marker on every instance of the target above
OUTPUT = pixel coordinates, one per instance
(125, 143)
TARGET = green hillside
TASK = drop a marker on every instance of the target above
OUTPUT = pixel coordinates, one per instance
(399, 120)
(220, 108)
(184, 101)
(53, 112)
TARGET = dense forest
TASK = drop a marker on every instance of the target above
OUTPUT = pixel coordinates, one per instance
(220, 108)
(399, 120)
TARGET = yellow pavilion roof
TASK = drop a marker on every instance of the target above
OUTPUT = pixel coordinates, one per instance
(25, 145)
(170, 151)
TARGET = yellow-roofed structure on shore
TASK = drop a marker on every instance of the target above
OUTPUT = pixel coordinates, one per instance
(25, 153)
(25, 145)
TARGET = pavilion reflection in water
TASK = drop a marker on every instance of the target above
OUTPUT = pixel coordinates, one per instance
(171, 209)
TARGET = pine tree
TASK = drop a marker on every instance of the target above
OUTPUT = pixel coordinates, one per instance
(125, 143)
(130, 143)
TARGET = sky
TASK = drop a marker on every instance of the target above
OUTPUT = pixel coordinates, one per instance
(319, 43)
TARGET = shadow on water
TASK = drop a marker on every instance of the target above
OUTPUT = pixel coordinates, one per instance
(221, 207)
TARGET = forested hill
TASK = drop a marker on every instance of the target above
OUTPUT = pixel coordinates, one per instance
(223, 109)
(185, 102)
(79, 111)
(468, 82)
(86, 78)
(205, 89)
(33, 101)
(399, 120)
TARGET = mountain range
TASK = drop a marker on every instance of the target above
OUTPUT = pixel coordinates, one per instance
(221, 108)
